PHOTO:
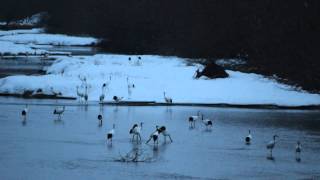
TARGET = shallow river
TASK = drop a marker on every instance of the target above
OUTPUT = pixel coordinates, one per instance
(76, 148)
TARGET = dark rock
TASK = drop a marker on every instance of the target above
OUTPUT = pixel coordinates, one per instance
(212, 71)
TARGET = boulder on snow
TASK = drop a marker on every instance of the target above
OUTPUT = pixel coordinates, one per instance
(212, 71)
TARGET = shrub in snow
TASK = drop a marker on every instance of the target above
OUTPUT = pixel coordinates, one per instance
(135, 155)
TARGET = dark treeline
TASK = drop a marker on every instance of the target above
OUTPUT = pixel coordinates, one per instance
(276, 37)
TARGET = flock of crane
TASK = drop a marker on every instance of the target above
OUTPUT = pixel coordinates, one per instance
(83, 89)
(135, 131)
(248, 139)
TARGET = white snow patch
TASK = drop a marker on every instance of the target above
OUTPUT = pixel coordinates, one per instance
(153, 75)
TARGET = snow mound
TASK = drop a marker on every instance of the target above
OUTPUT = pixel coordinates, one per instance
(151, 76)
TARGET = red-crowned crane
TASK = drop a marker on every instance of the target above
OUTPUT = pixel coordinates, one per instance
(272, 144)
(59, 111)
(168, 100)
(155, 135)
(103, 91)
(117, 99)
(111, 133)
(248, 138)
(207, 122)
(130, 86)
(24, 112)
(136, 131)
(193, 119)
(100, 119)
(298, 151)
(80, 95)
(298, 147)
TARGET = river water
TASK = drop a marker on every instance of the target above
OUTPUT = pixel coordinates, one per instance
(75, 147)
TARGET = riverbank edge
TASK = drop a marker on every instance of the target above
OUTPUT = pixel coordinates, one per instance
(154, 103)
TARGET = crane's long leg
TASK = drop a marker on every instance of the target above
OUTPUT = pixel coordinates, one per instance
(170, 137)
(149, 140)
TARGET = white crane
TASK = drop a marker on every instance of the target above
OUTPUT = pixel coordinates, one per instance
(86, 94)
(135, 131)
(100, 119)
(138, 62)
(24, 112)
(80, 94)
(272, 144)
(248, 138)
(130, 86)
(193, 119)
(164, 132)
(54, 92)
(103, 90)
(117, 99)
(298, 151)
(59, 111)
(83, 80)
(111, 133)
(155, 135)
(207, 122)
(84, 84)
(298, 148)
(167, 99)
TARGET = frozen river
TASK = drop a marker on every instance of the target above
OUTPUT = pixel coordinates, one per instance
(75, 147)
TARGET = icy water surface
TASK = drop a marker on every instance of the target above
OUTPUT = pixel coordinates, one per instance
(75, 147)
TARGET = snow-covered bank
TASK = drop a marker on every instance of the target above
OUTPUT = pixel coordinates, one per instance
(35, 41)
(50, 39)
(152, 75)
(10, 48)
(21, 31)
